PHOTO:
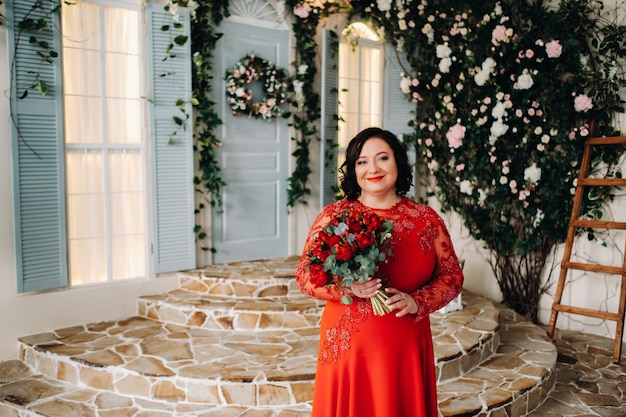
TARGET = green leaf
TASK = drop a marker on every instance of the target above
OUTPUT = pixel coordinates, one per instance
(42, 86)
(180, 40)
(346, 299)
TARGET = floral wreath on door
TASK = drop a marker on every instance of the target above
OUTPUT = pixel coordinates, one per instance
(249, 69)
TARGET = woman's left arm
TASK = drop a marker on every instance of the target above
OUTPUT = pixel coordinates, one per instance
(447, 277)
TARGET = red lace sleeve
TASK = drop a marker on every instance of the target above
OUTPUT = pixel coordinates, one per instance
(447, 277)
(303, 277)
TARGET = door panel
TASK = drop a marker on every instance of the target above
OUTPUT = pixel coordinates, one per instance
(253, 157)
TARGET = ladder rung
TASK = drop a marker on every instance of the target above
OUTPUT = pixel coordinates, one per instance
(599, 182)
(598, 224)
(611, 140)
(586, 312)
(595, 268)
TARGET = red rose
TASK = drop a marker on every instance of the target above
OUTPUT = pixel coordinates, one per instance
(319, 277)
(344, 252)
(364, 240)
(354, 222)
(320, 253)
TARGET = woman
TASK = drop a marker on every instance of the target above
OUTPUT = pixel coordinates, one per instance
(383, 366)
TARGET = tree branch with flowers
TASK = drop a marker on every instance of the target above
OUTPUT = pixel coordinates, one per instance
(506, 96)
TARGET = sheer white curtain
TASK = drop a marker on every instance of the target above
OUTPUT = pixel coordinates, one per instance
(104, 137)
(361, 65)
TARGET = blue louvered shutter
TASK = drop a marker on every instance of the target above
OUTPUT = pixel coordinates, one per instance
(37, 154)
(172, 154)
(398, 110)
(330, 110)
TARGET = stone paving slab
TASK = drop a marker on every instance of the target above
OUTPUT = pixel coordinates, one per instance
(25, 394)
(490, 362)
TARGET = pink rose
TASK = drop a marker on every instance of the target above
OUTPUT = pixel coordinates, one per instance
(302, 10)
(554, 49)
(498, 34)
(582, 103)
(455, 135)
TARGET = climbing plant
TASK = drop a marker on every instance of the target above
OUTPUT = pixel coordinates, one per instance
(507, 93)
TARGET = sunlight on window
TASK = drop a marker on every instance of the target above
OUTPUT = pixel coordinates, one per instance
(361, 63)
(104, 142)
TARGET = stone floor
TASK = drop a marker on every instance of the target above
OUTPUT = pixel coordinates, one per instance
(588, 382)
(196, 352)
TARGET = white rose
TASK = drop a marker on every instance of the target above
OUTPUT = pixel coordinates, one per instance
(444, 65)
(482, 196)
(524, 82)
(405, 85)
(383, 5)
(488, 64)
(538, 217)
(498, 111)
(466, 187)
(532, 173)
(443, 51)
(498, 128)
(481, 77)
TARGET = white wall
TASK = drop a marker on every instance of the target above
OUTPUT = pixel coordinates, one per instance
(24, 314)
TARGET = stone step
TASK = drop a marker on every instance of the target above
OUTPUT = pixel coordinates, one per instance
(24, 393)
(240, 339)
(511, 382)
(259, 278)
(163, 362)
(190, 308)
(222, 297)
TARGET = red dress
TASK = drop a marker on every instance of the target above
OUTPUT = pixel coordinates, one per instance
(372, 366)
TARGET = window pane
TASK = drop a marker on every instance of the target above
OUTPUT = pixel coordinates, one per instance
(83, 122)
(128, 257)
(103, 126)
(88, 261)
(87, 64)
(84, 172)
(122, 76)
(125, 171)
(80, 25)
(121, 27)
(124, 120)
(361, 73)
(86, 217)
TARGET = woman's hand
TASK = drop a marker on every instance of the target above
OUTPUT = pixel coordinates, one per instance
(401, 301)
(368, 289)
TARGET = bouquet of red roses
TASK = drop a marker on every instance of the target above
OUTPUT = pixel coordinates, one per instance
(349, 248)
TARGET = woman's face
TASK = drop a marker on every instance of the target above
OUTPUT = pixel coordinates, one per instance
(376, 169)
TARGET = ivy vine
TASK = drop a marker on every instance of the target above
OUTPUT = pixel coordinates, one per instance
(36, 22)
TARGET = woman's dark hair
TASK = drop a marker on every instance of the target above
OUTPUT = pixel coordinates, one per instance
(349, 184)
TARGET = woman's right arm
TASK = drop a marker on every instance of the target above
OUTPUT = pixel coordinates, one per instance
(303, 275)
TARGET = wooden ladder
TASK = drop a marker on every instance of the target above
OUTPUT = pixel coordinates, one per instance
(575, 223)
